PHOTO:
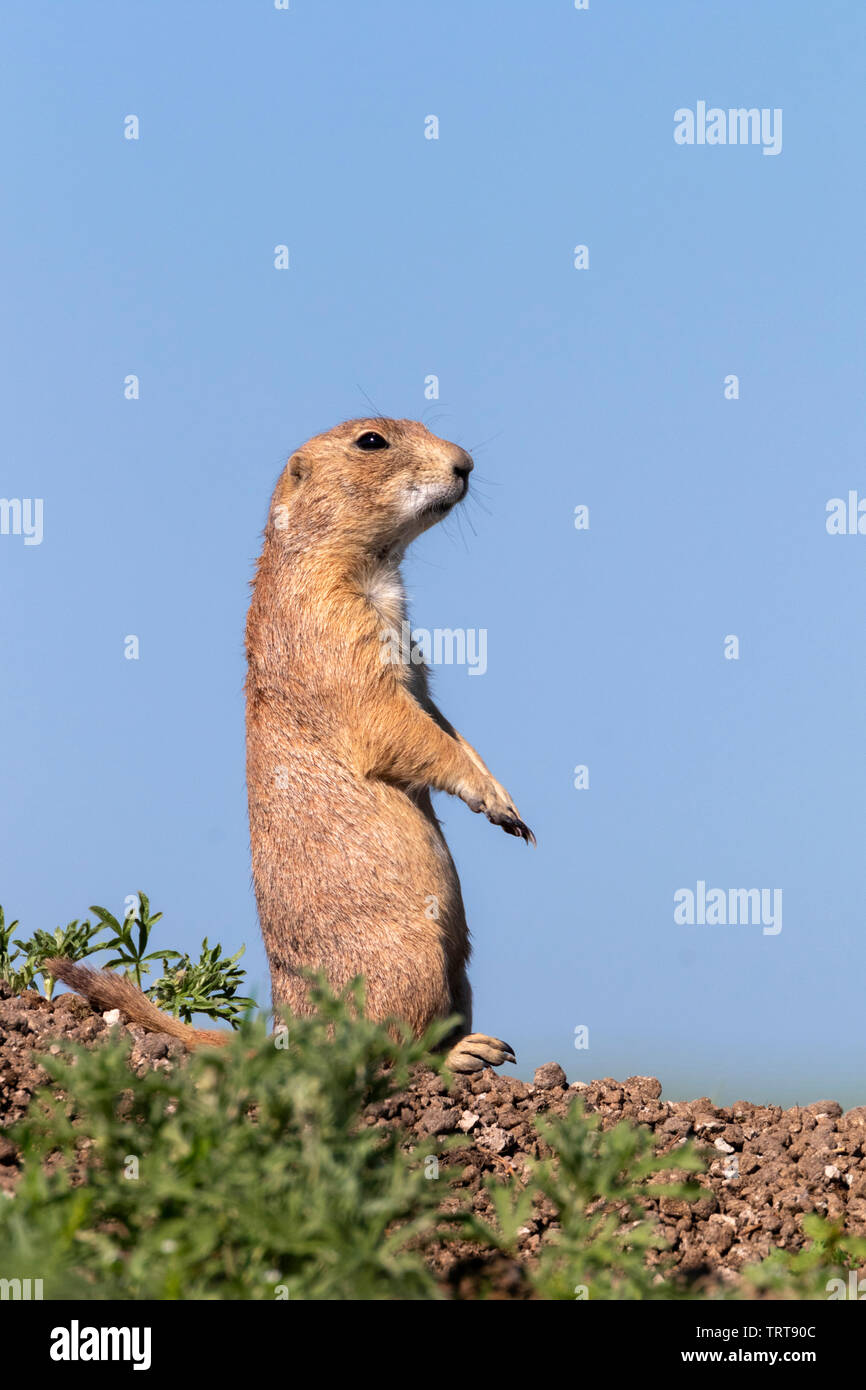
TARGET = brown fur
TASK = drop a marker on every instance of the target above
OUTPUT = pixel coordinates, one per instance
(105, 989)
(352, 873)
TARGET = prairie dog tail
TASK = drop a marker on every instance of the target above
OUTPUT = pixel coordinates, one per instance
(106, 990)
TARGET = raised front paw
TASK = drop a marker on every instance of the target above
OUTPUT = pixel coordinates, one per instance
(511, 824)
(496, 805)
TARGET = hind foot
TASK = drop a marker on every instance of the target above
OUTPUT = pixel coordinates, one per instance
(476, 1051)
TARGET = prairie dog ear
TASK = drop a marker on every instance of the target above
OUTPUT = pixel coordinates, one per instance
(298, 468)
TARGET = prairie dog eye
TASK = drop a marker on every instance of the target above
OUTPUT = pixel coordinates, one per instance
(370, 440)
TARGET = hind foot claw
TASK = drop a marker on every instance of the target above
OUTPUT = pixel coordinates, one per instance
(476, 1051)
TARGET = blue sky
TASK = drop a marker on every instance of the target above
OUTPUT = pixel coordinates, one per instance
(602, 387)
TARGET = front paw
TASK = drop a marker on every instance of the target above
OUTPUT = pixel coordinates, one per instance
(511, 824)
(496, 805)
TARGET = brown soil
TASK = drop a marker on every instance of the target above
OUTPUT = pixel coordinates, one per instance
(767, 1166)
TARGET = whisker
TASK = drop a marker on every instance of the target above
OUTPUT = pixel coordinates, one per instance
(469, 524)
(477, 500)
(489, 440)
(461, 517)
(437, 415)
(377, 414)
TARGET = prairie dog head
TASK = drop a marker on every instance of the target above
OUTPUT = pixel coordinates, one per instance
(369, 485)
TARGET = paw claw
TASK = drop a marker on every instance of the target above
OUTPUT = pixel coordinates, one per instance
(512, 825)
(477, 1051)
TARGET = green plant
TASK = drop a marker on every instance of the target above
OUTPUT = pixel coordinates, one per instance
(209, 985)
(18, 977)
(598, 1182)
(206, 986)
(131, 954)
(246, 1173)
(75, 940)
(830, 1254)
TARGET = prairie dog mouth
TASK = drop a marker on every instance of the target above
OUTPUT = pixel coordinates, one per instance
(451, 501)
(441, 506)
(428, 503)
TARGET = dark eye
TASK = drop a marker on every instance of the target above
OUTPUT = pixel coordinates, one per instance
(371, 440)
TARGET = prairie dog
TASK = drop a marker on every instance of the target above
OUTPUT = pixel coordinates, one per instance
(351, 871)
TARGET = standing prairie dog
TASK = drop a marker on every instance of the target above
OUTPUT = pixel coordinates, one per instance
(352, 873)
(344, 745)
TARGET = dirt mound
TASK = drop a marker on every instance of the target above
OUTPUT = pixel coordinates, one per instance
(29, 1025)
(766, 1166)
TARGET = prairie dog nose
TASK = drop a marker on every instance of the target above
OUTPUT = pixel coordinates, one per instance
(463, 465)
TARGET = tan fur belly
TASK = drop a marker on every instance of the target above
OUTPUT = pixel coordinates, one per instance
(354, 878)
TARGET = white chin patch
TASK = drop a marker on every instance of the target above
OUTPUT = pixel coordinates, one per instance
(422, 497)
